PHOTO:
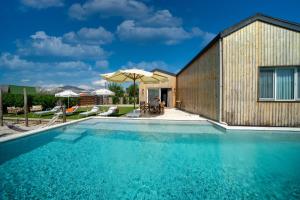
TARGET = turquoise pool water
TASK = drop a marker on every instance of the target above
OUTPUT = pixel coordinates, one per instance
(127, 159)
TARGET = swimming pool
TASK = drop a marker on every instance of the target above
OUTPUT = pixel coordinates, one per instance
(130, 159)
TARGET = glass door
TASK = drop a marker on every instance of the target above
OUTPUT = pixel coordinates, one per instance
(152, 94)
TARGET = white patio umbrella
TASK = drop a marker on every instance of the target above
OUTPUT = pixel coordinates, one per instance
(68, 94)
(103, 92)
(135, 75)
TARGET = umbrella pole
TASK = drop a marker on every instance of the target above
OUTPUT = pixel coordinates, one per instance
(134, 92)
(25, 107)
(68, 102)
(1, 109)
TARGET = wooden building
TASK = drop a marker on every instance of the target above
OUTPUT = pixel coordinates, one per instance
(249, 74)
(87, 99)
(165, 91)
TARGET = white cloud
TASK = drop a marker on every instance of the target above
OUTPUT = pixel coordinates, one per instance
(25, 80)
(206, 36)
(146, 65)
(48, 86)
(142, 23)
(20, 70)
(129, 30)
(122, 8)
(90, 36)
(100, 83)
(40, 4)
(161, 18)
(85, 87)
(41, 44)
(127, 9)
(102, 64)
(14, 62)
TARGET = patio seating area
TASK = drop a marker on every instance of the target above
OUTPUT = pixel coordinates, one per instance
(172, 114)
(154, 107)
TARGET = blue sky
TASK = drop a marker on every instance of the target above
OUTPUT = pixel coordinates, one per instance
(64, 42)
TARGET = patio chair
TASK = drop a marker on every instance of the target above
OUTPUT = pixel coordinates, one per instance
(36, 108)
(134, 114)
(14, 110)
(162, 107)
(48, 112)
(93, 111)
(15, 127)
(143, 106)
(154, 106)
(111, 111)
(69, 111)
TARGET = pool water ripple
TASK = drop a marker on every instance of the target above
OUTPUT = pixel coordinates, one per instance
(100, 160)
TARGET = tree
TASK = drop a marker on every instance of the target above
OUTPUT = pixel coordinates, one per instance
(130, 90)
(131, 93)
(118, 90)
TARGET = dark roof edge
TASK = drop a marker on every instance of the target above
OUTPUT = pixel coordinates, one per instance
(264, 18)
(210, 44)
(257, 17)
(163, 71)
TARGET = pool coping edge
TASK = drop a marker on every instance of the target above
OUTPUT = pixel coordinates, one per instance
(32, 132)
(214, 123)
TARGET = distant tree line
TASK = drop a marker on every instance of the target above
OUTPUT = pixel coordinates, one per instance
(126, 94)
(47, 101)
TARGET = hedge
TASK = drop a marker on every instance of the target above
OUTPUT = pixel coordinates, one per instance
(47, 101)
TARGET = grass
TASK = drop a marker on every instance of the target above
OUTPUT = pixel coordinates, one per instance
(122, 111)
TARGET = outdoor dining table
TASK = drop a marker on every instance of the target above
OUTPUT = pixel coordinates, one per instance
(154, 107)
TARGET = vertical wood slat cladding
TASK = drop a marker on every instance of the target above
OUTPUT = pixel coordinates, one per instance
(88, 100)
(170, 84)
(198, 85)
(258, 44)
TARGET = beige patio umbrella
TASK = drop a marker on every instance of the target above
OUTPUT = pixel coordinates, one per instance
(103, 92)
(68, 94)
(135, 75)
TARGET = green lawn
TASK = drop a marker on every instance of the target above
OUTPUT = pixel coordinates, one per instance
(122, 111)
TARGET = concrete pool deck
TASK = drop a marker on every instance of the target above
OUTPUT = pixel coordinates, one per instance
(174, 114)
(170, 114)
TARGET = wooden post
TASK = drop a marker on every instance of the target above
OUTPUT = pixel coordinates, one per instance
(25, 107)
(134, 91)
(1, 109)
(64, 114)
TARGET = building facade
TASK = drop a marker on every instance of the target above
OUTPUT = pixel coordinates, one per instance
(248, 74)
(165, 91)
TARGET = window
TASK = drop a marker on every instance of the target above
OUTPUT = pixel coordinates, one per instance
(152, 94)
(279, 83)
(298, 85)
(285, 84)
(266, 80)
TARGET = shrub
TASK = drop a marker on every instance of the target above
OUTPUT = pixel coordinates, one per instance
(47, 101)
(12, 100)
(125, 101)
(118, 90)
(115, 99)
(73, 101)
(17, 100)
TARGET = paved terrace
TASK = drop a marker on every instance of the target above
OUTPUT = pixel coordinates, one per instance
(169, 114)
(173, 114)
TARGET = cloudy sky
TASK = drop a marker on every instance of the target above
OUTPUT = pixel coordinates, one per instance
(64, 42)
